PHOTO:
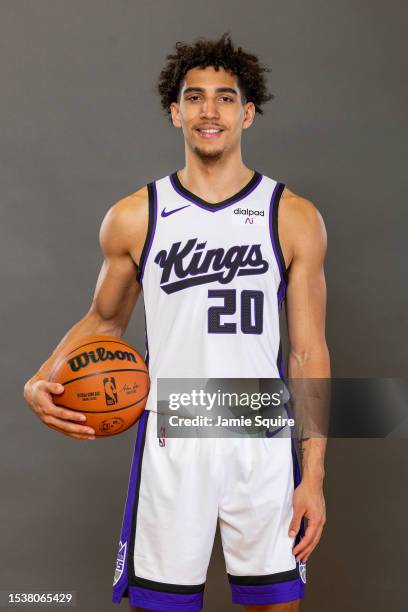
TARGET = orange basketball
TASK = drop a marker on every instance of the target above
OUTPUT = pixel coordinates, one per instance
(104, 378)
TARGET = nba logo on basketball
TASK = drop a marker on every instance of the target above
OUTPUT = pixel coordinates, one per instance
(111, 396)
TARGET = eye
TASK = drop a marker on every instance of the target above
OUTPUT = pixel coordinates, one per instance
(227, 98)
(195, 97)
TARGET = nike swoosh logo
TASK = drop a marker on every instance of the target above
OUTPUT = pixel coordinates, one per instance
(270, 434)
(165, 213)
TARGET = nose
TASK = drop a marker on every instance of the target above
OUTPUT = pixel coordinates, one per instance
(209, 109)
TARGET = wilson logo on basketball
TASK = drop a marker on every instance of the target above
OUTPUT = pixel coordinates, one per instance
(193, 265)
(99, 354)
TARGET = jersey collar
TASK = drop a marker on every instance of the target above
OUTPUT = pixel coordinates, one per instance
(213, 207)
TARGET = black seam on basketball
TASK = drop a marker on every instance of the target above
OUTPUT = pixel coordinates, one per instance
(165, 587)
(264, 580)
(275, 229)
(103, 372)
(131, 548)
(109, 409)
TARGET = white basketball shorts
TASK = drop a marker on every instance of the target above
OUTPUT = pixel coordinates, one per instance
(178, 489)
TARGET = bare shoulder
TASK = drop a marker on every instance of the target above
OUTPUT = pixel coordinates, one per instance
(124, 227)
(301, 226)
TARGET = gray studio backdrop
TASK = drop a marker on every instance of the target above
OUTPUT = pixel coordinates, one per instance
(81, 127)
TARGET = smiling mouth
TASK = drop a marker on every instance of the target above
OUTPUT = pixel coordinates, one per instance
(210, 133)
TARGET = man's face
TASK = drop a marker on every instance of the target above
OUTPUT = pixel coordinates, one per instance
(211, 112)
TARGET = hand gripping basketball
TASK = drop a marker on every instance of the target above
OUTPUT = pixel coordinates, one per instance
(105, 379)
(39, 396)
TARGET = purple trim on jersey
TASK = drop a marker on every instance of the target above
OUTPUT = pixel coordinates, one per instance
(274, 246)
(297, 475)
(281, 369)
(165, 602)
(216, 208)
(149, 246)
(146, 338)
(281, 293)
(268, 593)
(121, 586)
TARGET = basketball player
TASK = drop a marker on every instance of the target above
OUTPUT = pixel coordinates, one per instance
(217, 248)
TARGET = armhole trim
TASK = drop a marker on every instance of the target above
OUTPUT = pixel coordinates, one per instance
(151, 229)
(274, 232)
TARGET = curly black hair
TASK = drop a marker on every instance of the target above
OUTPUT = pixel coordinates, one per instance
(202, 53)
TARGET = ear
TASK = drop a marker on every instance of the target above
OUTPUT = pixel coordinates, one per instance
(249, 115)
(175, 114)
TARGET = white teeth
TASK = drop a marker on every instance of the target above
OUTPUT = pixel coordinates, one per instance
(210, 131)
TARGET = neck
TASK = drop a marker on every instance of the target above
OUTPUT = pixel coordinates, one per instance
(214, 181)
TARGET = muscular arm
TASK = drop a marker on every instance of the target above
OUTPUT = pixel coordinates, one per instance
(122, 236)
(304, 236)
(304, 242)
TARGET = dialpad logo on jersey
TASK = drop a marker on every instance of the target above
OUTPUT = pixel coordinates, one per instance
(248, 216)
(302, 572)
(193, 264)
(120, 562)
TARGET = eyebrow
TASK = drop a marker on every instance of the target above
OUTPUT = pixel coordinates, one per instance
(218, 90)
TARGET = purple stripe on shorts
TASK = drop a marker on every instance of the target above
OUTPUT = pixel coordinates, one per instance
(268, 593)
(165, 602)
(121, 585)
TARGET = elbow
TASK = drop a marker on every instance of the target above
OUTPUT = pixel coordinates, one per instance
(300, 356)
(105, 326)
(318, 355)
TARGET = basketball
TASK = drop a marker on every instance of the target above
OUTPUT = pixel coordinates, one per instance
(105, 379)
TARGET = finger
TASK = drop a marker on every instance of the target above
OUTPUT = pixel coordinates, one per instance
(55, 388)
(43, 404)
(50, 387)
(47, 406)
(63, 413)
(72, 435)
(306, 551)
(304, 556)
(78, 437)
(295, 523)
(310, 534)
(311, 538)
(68, 427)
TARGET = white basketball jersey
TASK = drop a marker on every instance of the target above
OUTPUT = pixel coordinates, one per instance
(213, 279)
